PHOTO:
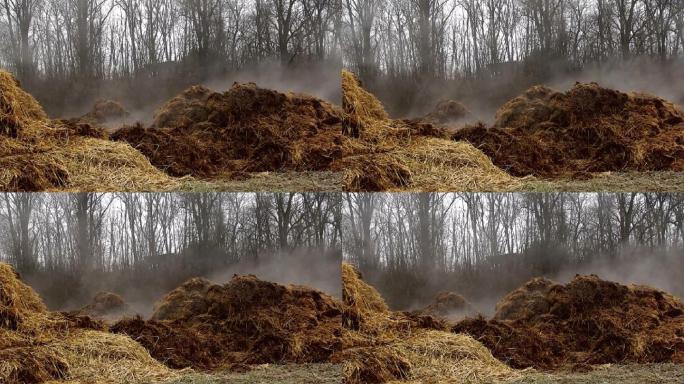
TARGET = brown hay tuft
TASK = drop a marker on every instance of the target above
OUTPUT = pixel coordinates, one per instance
(105, 111)
(526, 301)
(374, 365)
(31, 365)
(374, 172)
(439, 357)
(183, 302)
(384, 346)
(19, 111)
(364, 113)
(447, 112)
(588, 129)
(587, 321)
(101, 358)
(181, 111)
(439, 165)
(364, 308)
(447, 305)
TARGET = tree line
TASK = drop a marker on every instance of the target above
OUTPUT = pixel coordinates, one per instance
(90, 41)
(70, 246)
(454, 38)
(413, 245)
(409, 245)
(87, 232)
(408, 51)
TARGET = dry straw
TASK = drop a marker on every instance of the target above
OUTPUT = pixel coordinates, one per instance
(396, 155)
(440, 357)
(40, 346)
(38, 154)
(102, 358)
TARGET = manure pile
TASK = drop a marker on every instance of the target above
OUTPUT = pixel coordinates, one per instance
(246, 129)
(588, 129)
(37, 345)
(250, 129)
(103, 112)
(39, 154)
(587, 321)
(382, 346)
(447, 305)
(246, 321)
(104, 306)
(447, 113)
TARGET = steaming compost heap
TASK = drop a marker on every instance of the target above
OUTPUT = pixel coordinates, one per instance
(39, 154)
(383, 346)
(251, 129)
(105, 111)
(587, 321)
(447, 113)
(447, 305)
(105, 306)
(246, 129)
(246, 321)
(585, 130)
(39, 346)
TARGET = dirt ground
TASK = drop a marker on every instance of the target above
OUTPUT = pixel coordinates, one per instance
(272, 374)
(623, 374)
(612, 182)
(273, 182)
(333, 182)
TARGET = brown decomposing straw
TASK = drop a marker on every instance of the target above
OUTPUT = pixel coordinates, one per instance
(246, 321)
(588, 129)
(40, 346)
(383, 346)
(588, 321)
(245, 129)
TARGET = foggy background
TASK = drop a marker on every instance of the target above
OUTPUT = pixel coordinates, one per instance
(69, 53)
(142, 245)
(482, 246)
(412, 53)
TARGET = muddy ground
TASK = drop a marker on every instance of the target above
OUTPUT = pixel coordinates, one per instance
(271, 374)
(273, 182)
(623, 374)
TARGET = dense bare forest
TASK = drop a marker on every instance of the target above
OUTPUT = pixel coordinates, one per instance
(405, 50)
(483, 245)
(67, 51)
(71, 245)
